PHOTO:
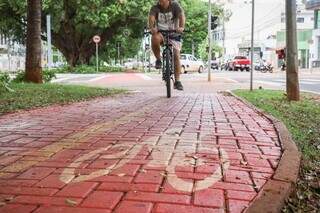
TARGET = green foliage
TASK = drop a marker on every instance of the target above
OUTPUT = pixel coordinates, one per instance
(19, 77)
(4, 78)
(13, 19)
(204, 52)
(86, 69)
(4, 82)
(75, 22)
(47, 76)
(197, 22)
(27, 96)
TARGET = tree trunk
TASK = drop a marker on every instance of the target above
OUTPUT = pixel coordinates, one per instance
(293, 91)
(33, 45)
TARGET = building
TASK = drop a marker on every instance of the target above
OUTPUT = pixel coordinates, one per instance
(305, 22)
(269, 30)
(12, 55)
(314, 6)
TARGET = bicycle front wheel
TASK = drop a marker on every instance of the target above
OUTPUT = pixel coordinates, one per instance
(168, 72)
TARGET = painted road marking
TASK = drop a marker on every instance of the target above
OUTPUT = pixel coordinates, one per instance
(160, 157)
(228, 79)
(61, 79)
(268, 82)
(100, 78)
(73, 140)
(143, 76)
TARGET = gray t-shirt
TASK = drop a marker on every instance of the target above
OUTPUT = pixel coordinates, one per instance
(167, 19)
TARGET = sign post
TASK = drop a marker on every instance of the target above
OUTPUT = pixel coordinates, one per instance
(96, 40)
(50, 58)
(252, 46)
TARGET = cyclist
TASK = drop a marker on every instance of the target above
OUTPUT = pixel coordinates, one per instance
(167, 15)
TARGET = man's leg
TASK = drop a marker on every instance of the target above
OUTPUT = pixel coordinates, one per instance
(156, 41)
(177, 64)
(177, 69)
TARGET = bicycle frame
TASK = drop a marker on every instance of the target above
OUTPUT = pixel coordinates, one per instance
(168, 67)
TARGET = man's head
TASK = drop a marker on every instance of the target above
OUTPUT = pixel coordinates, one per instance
(164, 3)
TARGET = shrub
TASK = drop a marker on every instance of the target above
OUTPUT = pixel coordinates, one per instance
(87, 69)
(47, 76)
(5, 81)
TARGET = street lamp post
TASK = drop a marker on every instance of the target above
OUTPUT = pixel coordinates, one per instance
(209, 42)
(252, 47)
(50, 59)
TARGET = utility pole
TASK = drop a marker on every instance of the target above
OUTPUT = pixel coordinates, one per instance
(209, 42)
(252, 47)
(149, 56)
(50, 58)
(293, 91)
(193, 47)
(118, 47)
(223, 37)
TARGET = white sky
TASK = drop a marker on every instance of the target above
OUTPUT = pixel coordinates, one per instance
(267, 14)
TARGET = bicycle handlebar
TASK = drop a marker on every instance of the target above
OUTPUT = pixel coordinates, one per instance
(167, 32)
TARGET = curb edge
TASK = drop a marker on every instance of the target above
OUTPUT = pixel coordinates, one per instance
(274, 193)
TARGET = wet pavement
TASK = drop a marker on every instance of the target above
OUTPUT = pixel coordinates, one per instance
(136, 153)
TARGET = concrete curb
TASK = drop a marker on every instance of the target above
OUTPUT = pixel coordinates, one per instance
(274, 193)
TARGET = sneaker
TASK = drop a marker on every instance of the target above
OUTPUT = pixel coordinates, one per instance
(158, 64)
(178, 85)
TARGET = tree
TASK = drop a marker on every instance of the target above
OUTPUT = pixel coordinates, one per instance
(204, 46)
(197, 23)
(33, 44)
(293, 91)
(75, 22)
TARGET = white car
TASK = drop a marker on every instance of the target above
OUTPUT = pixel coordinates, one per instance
(132, 64)
(189, 63)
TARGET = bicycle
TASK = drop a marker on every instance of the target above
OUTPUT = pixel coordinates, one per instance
(168, 59)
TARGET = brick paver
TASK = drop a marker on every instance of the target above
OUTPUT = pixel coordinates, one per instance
(191, 153)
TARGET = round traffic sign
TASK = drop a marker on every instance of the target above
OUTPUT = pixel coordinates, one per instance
(96, 39)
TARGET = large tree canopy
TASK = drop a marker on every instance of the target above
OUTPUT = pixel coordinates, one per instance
(75, 22)
(197, 22)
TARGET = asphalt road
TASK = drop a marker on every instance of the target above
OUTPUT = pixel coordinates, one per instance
(195, 82)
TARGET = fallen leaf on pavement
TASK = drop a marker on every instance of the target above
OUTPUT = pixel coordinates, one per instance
(71, 202)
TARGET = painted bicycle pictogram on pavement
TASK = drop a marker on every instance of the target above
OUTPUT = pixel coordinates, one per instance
(168, 151)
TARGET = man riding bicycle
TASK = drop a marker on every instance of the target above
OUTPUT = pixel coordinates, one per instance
(167, 15)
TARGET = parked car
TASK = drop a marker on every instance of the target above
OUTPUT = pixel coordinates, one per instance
(132, 64)
(215, 64)
(239, 63)
(189, 63)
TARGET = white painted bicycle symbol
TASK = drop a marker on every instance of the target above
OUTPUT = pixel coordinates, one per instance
(163, 154)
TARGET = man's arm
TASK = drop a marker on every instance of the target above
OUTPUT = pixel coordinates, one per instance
(182, 22)
(152, 24)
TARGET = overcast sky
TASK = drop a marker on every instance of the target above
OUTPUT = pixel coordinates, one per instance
(267, 14)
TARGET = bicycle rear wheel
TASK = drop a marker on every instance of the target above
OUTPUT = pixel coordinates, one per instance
(167, 73)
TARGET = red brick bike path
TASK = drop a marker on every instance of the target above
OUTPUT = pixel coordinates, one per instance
(192, 153)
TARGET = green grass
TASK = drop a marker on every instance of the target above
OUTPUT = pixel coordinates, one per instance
(27, 96)
(302, 118)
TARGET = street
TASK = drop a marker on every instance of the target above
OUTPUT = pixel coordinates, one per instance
(222, 80)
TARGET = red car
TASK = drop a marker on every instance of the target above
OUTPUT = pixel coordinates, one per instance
(239, 63)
